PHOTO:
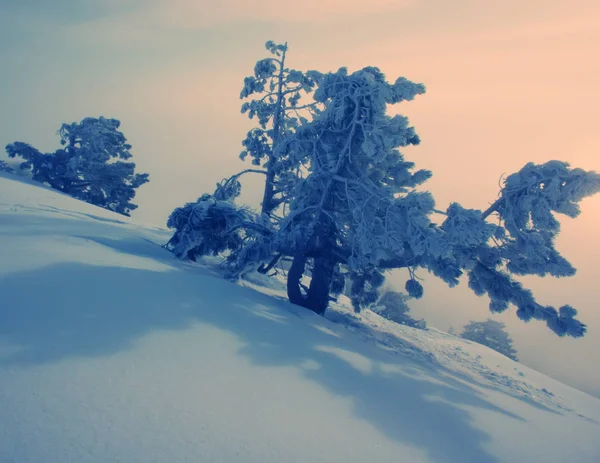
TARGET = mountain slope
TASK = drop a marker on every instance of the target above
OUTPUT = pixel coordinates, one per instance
(112, 350)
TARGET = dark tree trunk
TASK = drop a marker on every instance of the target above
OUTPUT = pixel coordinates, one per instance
(269, 192)
(317, 297)
(267, 202)
(294, 278)
(320, 284)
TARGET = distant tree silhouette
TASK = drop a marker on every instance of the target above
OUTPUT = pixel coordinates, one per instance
(492, 334)
(393, 306)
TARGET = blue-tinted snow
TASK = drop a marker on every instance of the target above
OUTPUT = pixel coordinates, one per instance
(112, 350)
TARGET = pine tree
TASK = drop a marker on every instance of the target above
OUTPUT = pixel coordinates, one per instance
(359, 209)
(214, 224)
(90, 166)
(347, 210)
(492, 334)
(393, 306)
(279, 109)
(355, 209)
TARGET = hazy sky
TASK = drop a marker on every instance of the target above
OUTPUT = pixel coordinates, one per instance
(509, 81)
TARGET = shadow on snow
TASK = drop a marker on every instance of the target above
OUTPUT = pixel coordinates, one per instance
(77, 310)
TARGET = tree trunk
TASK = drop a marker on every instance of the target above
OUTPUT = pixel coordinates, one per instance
(269, 192)
(267, 202)
(294, 278)
(317, 298)
(320, 284)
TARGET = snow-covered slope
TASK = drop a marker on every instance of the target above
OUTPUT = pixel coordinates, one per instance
(112, 350)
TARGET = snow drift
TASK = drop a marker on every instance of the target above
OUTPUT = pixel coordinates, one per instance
(113, 350)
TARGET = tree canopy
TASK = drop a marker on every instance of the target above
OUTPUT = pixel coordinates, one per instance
(356, 208)
(90, 165)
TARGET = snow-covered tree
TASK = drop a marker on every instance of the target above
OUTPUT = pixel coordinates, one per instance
(353, 206)
(274, 96)
(393, 306)
(204, 228)
(359, 208)
(214, 225)
(90, 166)
(348, 209)
(279, 107)
(492, 334)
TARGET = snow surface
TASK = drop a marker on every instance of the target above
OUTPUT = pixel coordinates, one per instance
(113, 350)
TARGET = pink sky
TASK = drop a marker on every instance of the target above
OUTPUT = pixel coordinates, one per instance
(507, 81)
